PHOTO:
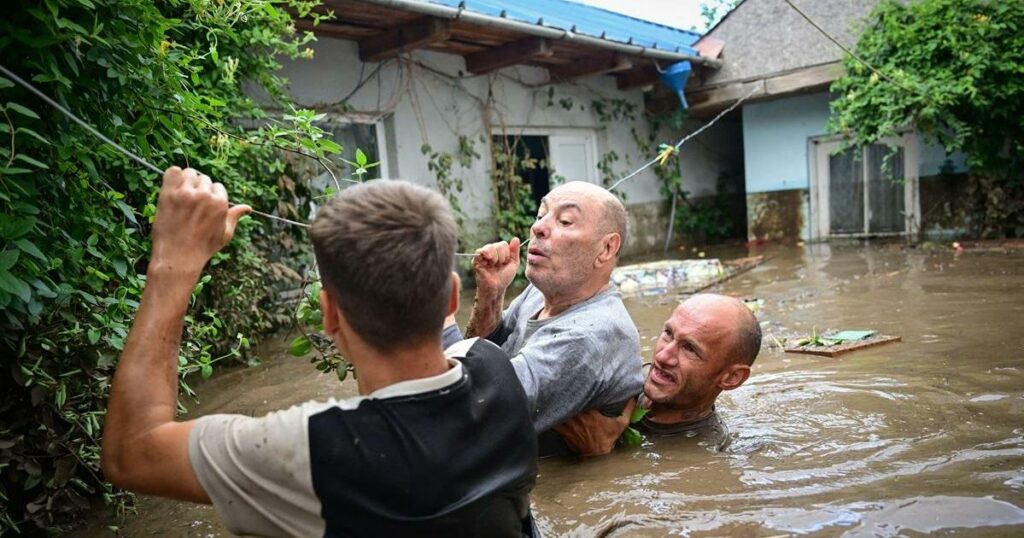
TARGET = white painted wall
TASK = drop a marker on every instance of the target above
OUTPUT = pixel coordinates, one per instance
(422, 106)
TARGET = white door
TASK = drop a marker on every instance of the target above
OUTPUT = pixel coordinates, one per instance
(866, 190)
(573, 157)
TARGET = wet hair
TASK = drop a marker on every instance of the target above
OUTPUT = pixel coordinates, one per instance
(386, 250)
(748, 338)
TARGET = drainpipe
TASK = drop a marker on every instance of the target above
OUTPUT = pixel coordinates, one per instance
(671, 222)
(460, 13)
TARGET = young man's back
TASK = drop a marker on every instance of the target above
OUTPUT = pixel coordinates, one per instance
(446, 455)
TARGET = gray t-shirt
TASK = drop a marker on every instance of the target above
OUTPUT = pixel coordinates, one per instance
(587, 357)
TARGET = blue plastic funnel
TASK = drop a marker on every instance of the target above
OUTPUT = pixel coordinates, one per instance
(675, 78)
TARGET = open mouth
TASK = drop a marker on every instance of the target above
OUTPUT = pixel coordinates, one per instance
(535, 253)
(662, 377)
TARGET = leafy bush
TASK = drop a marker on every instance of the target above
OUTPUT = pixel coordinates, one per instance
(951, 69)
(165, 80)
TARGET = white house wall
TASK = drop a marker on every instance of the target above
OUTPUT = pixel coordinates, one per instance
(422, 106)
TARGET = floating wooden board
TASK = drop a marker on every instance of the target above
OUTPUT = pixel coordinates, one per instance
(846, 347)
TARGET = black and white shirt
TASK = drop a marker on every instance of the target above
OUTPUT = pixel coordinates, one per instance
(453, 454)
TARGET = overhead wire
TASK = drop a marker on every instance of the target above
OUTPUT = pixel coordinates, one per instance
(146, 164)
(847, 50)
(92, 130)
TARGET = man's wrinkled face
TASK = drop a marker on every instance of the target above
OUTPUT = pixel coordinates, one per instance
(564, 241)
(691, 356)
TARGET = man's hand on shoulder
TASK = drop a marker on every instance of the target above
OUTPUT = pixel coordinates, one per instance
(591, 433)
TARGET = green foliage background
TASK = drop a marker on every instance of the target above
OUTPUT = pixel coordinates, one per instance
(954, 70)
(165, 79)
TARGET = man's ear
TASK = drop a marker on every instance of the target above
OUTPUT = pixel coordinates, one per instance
(734, 376)
(329, 312)
(453, 300)
(610, 245)
(335, 324)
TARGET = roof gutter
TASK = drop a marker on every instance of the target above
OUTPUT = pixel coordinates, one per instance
(460, 13)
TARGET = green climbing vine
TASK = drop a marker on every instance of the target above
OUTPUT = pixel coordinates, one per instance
(515, 209)
(165, 80)
(706, 219)
(441, 164)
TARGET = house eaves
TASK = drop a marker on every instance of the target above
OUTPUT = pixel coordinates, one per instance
(568, 39)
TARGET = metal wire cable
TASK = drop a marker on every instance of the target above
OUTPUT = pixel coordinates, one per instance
(847, 50)
(92, 130)
(146, 164)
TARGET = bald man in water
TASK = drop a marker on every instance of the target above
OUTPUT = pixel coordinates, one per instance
(707, 346)
(572, 343)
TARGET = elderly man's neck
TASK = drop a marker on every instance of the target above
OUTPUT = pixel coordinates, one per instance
(558, 301)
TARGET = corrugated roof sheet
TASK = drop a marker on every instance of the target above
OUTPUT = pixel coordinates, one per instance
(588, 20)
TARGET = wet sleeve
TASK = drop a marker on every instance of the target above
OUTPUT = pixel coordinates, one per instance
(450, 336)
(560, 373)
(257, 472)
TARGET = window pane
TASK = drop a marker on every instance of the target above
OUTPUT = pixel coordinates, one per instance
(846, 192)
(352, 136)
(885, 189)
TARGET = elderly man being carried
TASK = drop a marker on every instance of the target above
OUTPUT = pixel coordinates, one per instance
(573, 345)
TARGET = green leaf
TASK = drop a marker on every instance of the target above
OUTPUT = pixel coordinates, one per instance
(631, 437)
(638, 414)
(330, 146)
(15, 286)
(93, 335)
(22, 110)
(206, 371)
(361, 159)
(126, 210)
(17, 228)
(33, 134)
(30, 248)
(120, 267)
(30, 160)
(4, 83)
(300, 346)
(8, 258)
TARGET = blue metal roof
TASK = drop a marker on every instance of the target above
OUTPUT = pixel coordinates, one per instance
(588, 20)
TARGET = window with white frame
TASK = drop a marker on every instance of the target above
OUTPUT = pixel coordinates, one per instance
(352, 135)
(866, 190)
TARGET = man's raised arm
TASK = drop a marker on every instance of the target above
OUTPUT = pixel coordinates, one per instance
(494, 268)
(144, 449)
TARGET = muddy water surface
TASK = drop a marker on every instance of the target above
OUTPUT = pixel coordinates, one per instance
(924, 436)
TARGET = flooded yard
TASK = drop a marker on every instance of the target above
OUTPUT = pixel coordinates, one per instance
(922, 436)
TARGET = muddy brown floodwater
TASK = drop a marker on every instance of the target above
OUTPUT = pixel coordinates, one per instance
(919, 437)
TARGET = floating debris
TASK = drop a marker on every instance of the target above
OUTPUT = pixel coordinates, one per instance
(837, 343)
(683, 276)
